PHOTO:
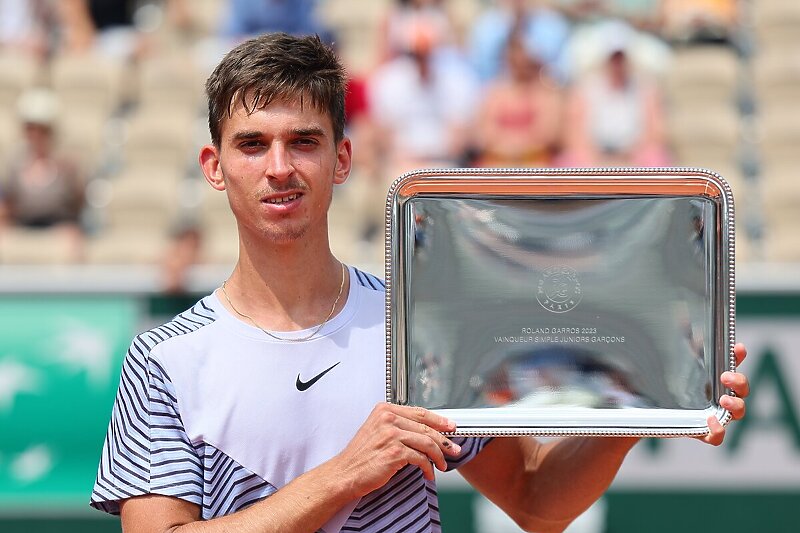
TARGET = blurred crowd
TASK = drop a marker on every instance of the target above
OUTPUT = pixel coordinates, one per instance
(102, 111)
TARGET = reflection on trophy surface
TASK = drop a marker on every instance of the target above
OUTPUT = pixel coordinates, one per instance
(539, 302)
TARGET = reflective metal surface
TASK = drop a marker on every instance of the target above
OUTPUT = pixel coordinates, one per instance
(561, 302)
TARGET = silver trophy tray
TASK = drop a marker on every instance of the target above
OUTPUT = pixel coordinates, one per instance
(561, 302)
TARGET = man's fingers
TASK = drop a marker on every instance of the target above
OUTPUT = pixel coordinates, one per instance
(734, 405)
(445, 445)
(739, 353)
(413, 428)
(413, 457)
(716, 433)
(425, 445)
(422, 421)
(737, 382)
(424, 416)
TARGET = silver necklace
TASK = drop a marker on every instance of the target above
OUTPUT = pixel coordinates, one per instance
(301, 339)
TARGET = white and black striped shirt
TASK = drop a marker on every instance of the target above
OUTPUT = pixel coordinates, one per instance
(210, 410)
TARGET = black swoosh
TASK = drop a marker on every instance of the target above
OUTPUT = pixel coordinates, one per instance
(303, 386)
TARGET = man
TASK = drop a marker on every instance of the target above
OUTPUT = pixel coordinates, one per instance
(259, 409)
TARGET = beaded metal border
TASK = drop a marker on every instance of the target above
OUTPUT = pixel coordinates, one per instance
(728, 214)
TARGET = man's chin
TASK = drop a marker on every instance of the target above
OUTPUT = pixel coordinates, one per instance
(284, 236)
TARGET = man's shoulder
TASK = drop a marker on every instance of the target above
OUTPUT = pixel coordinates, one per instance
(189, 321)
(369, 281)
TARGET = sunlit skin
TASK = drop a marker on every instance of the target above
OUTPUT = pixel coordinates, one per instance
(278, 166)
(276, 153)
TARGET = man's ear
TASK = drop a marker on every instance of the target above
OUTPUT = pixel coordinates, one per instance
(212, 170)
(344, 160)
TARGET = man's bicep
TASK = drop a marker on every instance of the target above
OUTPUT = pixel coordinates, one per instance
(154, 513)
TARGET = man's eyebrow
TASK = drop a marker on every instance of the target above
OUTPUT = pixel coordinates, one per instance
(311, 131)
(248, 134)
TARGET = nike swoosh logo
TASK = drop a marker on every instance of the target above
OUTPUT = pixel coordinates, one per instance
(301, 386)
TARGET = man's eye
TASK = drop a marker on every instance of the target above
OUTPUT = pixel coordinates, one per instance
(250, 144)
(306, 142)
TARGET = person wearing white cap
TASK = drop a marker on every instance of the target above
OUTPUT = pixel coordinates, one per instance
(615, 115)
(42, 189)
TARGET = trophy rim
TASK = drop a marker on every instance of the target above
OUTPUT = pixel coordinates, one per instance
(563, 183)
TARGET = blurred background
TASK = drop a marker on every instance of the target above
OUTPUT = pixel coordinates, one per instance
(107, 226)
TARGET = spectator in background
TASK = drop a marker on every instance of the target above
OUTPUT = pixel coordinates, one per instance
(644, 15)
(700, 20)
(24, 26)
(183, 251)
(105, 26)
(423, 103)
(403, 18)
(519, 119)
(247, 18)
(615, 114)
(41, 189)
(543, 29)
(594, 20)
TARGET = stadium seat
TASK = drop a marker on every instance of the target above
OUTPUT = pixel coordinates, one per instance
(127, 246)
(779, 133)
(169, 82)
(218, 227)
(782, 245)
(9, 135)
(776, 23)
(144, 199)
(780, 190)
(160, 137)
(704, 135)
(23, 246)
(17, 73)
(220, 244)
(88, 81)
(205, 16)
(83, 134)
(703, 74)
(137, 219)
(356, 24)
(776, 77)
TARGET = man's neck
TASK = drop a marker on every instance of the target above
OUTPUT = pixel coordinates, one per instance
(285, 287)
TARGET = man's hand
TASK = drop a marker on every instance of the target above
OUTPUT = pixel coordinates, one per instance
(734, 404)
(392, 437)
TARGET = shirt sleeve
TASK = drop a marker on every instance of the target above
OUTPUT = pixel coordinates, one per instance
(146, 450)
(470, 447)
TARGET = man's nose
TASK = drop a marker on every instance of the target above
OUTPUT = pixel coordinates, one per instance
(279, 163)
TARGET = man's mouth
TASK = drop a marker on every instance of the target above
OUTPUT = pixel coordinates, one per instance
(282, 199)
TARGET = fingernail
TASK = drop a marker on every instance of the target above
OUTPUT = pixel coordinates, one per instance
(456, 448)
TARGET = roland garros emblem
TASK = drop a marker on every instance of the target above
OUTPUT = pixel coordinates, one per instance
(559, 289)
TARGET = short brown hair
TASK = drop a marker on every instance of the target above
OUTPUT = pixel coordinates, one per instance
(276, 66)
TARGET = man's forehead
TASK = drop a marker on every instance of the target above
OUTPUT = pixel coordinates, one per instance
(251, 100)
(308, 116)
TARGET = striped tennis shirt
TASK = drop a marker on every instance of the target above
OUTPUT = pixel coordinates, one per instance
(213, 411)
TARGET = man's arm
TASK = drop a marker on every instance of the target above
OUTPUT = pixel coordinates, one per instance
(305, 504)
(543, 487)
(391, 438)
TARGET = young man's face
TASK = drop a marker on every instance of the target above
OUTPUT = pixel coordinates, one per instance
(278, 165)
